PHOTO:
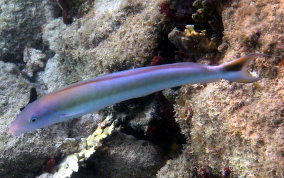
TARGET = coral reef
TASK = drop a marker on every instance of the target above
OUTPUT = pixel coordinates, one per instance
(112, 36)
(198, 25)
(237, 126)
(228, 129)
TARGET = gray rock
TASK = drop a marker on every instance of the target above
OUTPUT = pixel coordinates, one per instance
(34, 61)
(123, 156)
(20, 25)
(113, 35)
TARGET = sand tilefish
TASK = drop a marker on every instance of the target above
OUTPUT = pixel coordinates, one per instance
(94, 94)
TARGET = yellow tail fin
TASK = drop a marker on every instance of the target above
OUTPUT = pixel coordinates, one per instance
(236, 70)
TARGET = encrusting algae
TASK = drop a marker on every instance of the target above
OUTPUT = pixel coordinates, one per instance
(87, 148)
(190, 40)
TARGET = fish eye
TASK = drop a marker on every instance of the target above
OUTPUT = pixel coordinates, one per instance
(33, 119)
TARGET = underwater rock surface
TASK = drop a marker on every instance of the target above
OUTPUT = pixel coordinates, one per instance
(233, 127)
(127, 156)
(20, 26)
(111, 36)
(230, 128)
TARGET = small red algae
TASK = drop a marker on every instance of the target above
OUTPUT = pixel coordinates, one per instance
(151, 129)
(203, 173)
(165, 9)
(281, 63)
(65, 7)
(158, 60)
(49, 165)
(166, 111)
(166, 108)
(177, 12)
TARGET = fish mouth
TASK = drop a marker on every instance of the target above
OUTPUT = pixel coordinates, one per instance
(15, 130)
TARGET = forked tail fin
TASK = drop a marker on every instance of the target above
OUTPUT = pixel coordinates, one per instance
(236, 70)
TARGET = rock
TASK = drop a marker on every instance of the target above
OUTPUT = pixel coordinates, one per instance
(233, 125)
(20, 26)
(82, 152)
(191, 41)
(122, 155)
(34, 61)
(111, 36)
(116, 35)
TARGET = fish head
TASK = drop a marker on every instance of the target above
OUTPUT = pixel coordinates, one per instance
(34, 116)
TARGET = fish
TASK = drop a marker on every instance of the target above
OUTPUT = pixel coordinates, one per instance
(96, 93)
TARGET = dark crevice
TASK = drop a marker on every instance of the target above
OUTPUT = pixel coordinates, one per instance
(204, 16)
(17, 56)
(165, 48)
(33, 97)
(162, 129)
